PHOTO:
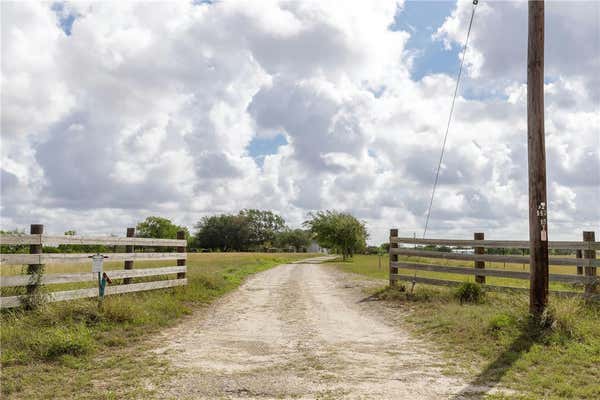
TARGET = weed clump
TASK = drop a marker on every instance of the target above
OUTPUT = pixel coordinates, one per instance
(46, 344)
(469, 292)
(562, 320)
(58, 342)
(500, 322)
(392, 293)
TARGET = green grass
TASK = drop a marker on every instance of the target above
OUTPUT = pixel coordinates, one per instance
(498, 343)
(74, 350)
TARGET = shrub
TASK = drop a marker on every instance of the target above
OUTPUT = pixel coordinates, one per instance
(469, 292)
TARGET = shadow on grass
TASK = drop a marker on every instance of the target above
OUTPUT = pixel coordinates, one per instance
(487, 380)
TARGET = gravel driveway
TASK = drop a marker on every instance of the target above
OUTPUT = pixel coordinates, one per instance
(300, 331)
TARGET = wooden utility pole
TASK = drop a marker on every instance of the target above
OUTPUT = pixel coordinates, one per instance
(536, 151)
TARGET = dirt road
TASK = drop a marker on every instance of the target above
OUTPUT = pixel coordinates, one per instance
(300, 331)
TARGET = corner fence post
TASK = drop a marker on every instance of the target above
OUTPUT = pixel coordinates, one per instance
(181, 249)
(393, 257)
(35, 270)
(591, 286)
(128, 264)
(479, 264)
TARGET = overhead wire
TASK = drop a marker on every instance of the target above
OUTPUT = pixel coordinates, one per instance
(437, 173)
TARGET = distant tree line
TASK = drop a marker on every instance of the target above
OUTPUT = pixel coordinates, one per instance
(263, 230)
(249, 230)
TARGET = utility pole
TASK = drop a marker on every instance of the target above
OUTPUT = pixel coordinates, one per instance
(536, 152)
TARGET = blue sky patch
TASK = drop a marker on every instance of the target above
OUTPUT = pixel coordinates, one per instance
(261, 147)
(65, 18)
(421, 19)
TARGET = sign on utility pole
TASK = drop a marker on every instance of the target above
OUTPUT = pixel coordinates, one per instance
(536, 154)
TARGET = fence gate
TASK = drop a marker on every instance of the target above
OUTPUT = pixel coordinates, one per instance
(584, 263)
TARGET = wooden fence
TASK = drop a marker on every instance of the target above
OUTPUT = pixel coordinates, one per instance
(584, 264)
(34, 279)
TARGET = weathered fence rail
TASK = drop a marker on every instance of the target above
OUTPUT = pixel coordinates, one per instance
(63, 258)
(585, 264)
(34, 279)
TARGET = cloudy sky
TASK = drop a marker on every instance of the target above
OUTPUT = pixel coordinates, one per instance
(113, 111)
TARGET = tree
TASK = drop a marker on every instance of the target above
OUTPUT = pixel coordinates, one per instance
(159, 228)
(5, 249)
(262, 226)
(338, 231)
(296, 238)
(224, 232)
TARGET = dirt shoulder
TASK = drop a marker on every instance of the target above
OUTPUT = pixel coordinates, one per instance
(302, 331)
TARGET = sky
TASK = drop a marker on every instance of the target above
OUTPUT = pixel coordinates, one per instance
(114, 111)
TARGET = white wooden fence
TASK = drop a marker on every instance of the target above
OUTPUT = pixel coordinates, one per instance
(36, 240)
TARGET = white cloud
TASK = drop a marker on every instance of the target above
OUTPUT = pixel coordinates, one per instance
(150, 109)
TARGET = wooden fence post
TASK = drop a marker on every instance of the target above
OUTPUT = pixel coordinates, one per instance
(479, 250)
(34, 270)
(579, 256)
(128, 249)
(393, 257)
(181, 249)
(590, 271)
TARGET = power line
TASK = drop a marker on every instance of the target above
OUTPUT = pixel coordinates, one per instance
(437, 173)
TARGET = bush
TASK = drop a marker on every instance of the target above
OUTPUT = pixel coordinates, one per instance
(469, 292)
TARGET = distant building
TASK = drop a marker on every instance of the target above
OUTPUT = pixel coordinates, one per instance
(463, 251)
(315, 248)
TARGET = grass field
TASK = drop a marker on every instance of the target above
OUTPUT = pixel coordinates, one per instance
(74, 350)
(497, 342)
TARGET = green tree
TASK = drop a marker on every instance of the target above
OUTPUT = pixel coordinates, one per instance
(338, 231)
(296, 238)
(224, 232)
(6, 249)
(263, 226)
(159, 228)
